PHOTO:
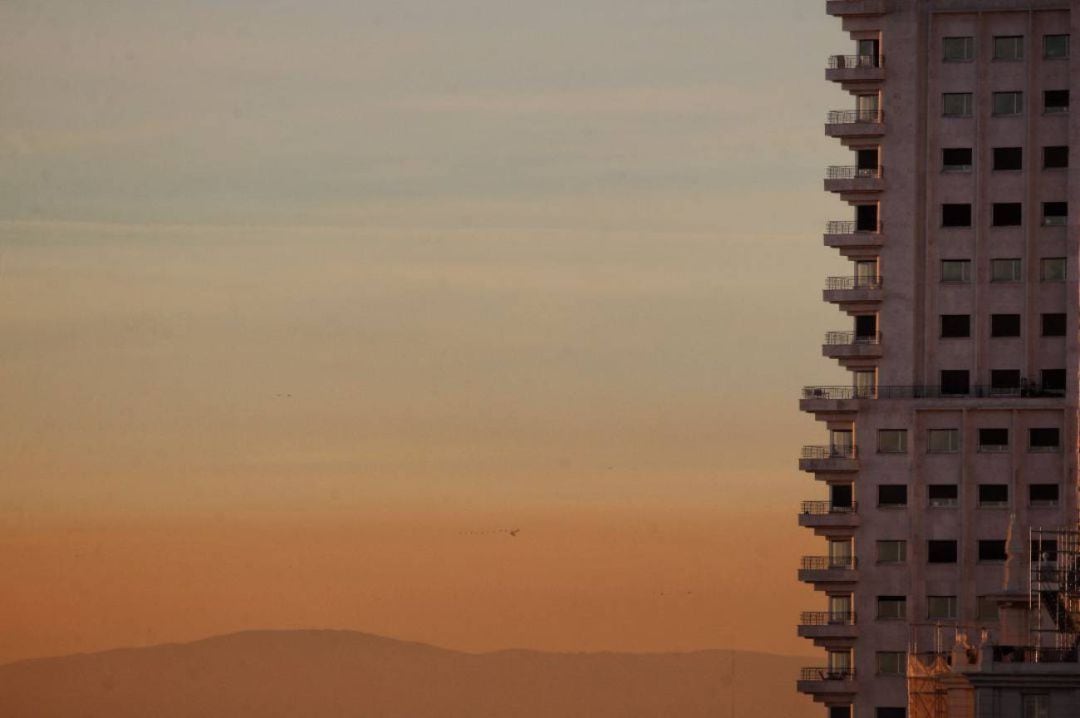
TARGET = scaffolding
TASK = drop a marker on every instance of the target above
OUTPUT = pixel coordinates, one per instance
(1054, 592)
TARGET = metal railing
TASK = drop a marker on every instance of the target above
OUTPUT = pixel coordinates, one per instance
(854, 117)
(844, 338)
(843, 172)
(1026, 391)
(827, 618)
(833, 283)
(824, 563)
(825, 508)
(849, 226)
(828, 452)
(827, 674)
(837, 392)
(852, 62)
(1032, 654)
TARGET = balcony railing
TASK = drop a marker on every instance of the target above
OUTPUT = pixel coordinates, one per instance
(854, 117)
(851, 62)
(833, 283)
(827, 618)
(827, 674)
(824, 508)
(843, 338)
(828, 452)
(930, 392)
(824, 563)
(849, 226)
(1031, 654)
(846, 172)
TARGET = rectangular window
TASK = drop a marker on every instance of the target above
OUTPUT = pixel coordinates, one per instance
(891, 663)
(942, 607)
(866, 218)
(1053, 381)
(954, 326)
(986, 609)
(955, 382)
(993, 439)
(991, 550)
(1052, 269)
(1043, 494)
(1009, 47)
(1036, 705)
(1004, 325)
(1055, 214)
(943, 441)
(892, 495)
(839, 711)
(1055, 101)
(892, 607)
(1055, 157)
(957, 271)
(1008, 158)
(1044, 550)
(1055, 47)
(956, 104)
(940, 551)
(892, 441)
(958, 49)
(891, 551)
(1005, 382)
(1005, 270)
(1053, 325)
(1008, 103)
(956, 159)
(890, 712)
(1044, 439)
(993, 495)
(943, 495)
(956, 215)
(1007, 214)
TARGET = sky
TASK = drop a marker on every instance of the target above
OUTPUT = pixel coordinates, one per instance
(306, 306)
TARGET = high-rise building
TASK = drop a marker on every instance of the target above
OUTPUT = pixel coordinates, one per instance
(962, 340)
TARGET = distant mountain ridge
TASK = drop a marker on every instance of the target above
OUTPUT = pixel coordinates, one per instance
(339, 674)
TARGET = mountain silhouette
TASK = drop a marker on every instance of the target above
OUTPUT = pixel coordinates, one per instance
(332, 674)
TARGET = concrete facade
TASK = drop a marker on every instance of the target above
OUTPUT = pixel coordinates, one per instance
(932, 80)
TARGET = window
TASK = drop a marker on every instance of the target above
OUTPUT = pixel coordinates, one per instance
(1036, 705)
(892, 551)
(1043, 494)
(1004, 325)
(891, 663)
(1008, 158)
(1055, 47)
(1055, 101)
(1055, 214)
(954, 326)
(991, 550)
(892, 441)
(866, 163)
(1052, 269)
(892, 607)
(892, 495)
(1053, 382)
(839, 711)
(1048, 439)
(866, 218)
(1005, 382)
(1008, 103)
(941, 607)
(959, 270)
(841, 496)
(956, 215)
(943, 495)
(1009, 47)
(956, 104)
(955, 382)
(958, 49)
(890, 712)
(1005, 270)
(993, 495)
(1055, 157)
(943, 441)
(1007, 214)
(1044, 550)
(940, 551)
(986, 609)
(956, 159)
(993, 439)
(865, 380)
(1053, 325)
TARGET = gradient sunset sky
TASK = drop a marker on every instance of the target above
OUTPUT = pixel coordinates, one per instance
(304, 305)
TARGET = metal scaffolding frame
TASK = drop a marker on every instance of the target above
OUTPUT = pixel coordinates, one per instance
(1054, 589)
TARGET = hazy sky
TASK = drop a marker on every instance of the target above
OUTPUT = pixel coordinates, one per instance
(370, 279)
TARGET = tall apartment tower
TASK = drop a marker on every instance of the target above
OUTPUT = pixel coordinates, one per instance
(960, 417)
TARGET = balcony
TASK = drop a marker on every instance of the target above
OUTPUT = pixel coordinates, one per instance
(829, 459)
(831, 682)
(827, 626)
(827, 569)
(855, 123)
(854, 8)
(858, 293)
(853, 241)
(833, 399)
(849, 179)
(853, 69)
(826, 515)
(848, 346)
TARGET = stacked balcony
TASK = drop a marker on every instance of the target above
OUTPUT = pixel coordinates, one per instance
(848, 346)
(829, 459)
(827, 515)
(855, 124)
(854, 8)
(832, 572)
(854, 180)
(854, 241)
(827, 627)
(855, 69)
(827, 684)
(858, 295)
